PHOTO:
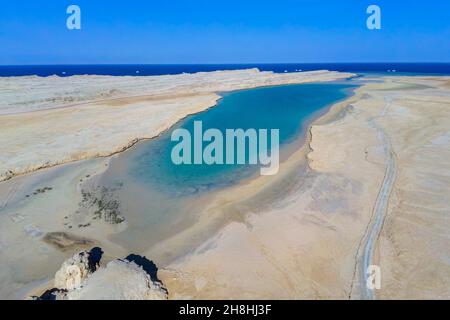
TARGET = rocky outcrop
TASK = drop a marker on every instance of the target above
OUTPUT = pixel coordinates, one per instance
(82, 278)
(120, 280)
(77, 269)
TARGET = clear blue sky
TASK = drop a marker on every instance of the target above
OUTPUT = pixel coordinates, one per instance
(228, 31)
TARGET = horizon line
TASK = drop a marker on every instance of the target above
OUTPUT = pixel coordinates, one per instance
(221, 63)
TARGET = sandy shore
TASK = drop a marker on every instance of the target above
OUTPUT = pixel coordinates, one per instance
(304, 233)
(54, 123)
(51, 121)
(300, 243)
(314, 242)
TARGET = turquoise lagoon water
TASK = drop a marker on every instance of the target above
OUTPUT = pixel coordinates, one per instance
(284, 107)
(158, 195)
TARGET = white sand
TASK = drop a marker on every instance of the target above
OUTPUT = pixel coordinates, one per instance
(42, 127)
(308, 244)
(50, 121)
(313, 243)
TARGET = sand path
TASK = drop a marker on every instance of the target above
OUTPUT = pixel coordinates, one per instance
(380, 208)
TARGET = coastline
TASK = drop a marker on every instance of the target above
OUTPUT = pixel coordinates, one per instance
(255, 190)
(308, 247)
(213, 217)
(215, 205)
(66, 194)
(65, 134)
(299, 233)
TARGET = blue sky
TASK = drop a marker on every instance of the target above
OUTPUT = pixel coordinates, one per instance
(229, 31)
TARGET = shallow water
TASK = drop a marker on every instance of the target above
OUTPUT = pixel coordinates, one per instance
(158, 197)
(285, 108)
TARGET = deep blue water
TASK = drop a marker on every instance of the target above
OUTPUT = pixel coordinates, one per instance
(146, 70)
(286, 108)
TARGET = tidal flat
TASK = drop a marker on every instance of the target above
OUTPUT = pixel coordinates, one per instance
(300, 234)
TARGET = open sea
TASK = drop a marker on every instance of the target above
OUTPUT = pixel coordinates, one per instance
(151, 70)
